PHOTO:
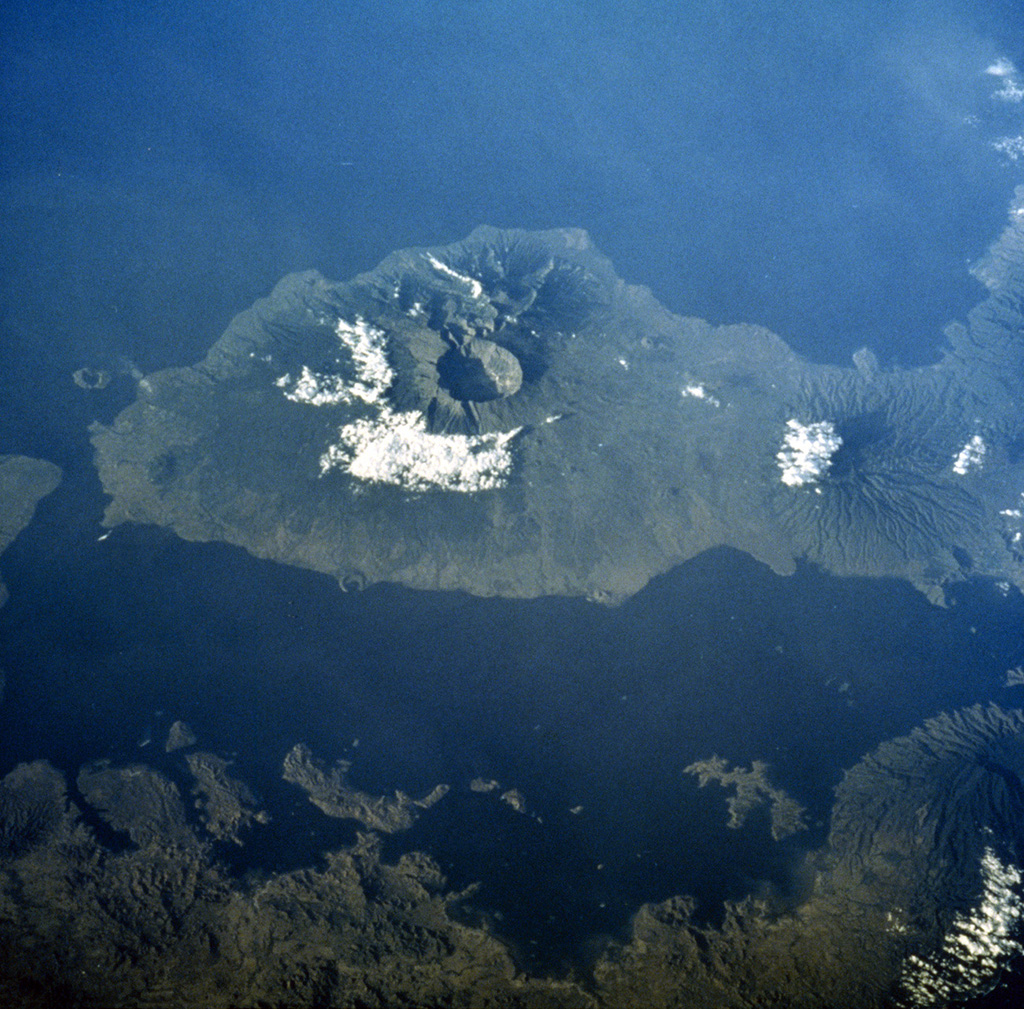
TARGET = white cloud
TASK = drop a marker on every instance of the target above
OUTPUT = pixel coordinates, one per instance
(697, 391)
(807, 451)
(315, 389)
(373, 374)
(970, 456)
(366, 344)
(397, 448)
(475, 287)
(976, 947)
(392, 447)
(1012, 89)
(1001, 68)
(1012, 147)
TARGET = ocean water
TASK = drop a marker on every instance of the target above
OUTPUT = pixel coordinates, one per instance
(575, 705)
(823, 169)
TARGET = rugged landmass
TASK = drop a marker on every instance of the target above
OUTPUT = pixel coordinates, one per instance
(914, 899)
(24, 483)
(752, 789)
(331, 794)
(507, 417)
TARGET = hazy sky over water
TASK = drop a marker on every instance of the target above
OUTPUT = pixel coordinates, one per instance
(827, 171)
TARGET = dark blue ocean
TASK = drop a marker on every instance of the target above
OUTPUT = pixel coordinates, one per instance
(829, 170)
